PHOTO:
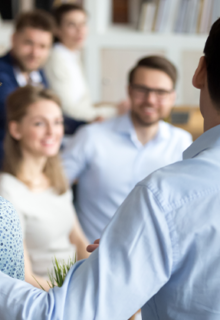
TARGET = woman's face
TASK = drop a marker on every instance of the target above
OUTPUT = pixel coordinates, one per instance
(41, 129)
(73, 29)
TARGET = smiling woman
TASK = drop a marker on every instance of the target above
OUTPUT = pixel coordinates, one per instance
(34, 182)
(35, 130)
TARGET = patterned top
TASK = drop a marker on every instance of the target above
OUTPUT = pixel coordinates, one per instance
(11, 245)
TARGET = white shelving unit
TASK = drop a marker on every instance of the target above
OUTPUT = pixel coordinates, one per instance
(111, 50)
(183, 50)
(6, 30)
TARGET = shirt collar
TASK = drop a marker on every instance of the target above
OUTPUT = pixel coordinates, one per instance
(207, 140)
(125, 125)
(163, 132)
(35, 77)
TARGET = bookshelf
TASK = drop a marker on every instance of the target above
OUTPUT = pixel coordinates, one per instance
(112, 49)
(112, 45)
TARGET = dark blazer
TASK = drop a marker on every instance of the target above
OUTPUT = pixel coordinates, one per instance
(9, 84)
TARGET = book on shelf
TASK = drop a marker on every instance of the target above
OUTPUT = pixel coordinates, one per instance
(147, 13)
(181, 16)
(215, 11)
(206, 16)
(161, 17)
(193, 13)
(134, 7)
(120, 12)
(59, 2)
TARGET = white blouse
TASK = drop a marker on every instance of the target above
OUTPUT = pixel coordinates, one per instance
(65, 76)
(47, 220)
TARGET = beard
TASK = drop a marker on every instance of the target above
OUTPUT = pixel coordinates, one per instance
(142, 122)
(22, 65)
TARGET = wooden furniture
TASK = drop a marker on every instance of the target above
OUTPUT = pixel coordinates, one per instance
(120, 11)
(188, 118)
(134, 316)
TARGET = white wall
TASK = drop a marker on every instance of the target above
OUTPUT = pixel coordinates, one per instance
(109, 50)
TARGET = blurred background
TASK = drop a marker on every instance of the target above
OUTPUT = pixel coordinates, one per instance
(122, 32)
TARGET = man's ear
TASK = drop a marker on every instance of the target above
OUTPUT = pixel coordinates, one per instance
(14, 131)
(173, 97)
(199, 78)
(129, 90)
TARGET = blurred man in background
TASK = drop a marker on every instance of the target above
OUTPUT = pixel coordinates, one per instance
(31, 43)
(109, 158)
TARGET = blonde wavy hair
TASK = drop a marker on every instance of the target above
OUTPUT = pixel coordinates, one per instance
(16, 108)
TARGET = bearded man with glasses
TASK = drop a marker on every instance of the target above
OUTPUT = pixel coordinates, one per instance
(109, 158)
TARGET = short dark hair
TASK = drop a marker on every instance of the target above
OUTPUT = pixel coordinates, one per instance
(60, 11)
(37, 19)
(155, 62)
(212, 55)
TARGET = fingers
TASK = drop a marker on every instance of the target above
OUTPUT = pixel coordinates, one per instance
(92, 247)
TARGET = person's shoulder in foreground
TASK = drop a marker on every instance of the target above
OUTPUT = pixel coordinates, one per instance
(11, 245)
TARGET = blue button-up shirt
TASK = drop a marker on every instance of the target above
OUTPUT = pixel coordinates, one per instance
(161, 252)
(108, 160)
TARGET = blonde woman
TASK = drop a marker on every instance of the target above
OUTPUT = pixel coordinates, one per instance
(33, 181)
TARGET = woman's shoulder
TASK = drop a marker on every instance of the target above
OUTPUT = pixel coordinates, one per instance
(8, 185)
(58, 53)
(7, 179)
(57, 66)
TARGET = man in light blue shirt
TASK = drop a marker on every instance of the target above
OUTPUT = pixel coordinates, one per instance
(161, 249)
(109, 158)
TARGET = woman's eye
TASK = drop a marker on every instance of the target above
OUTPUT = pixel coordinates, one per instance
(38, 124)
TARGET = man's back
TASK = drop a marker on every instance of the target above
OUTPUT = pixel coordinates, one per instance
(187, 193)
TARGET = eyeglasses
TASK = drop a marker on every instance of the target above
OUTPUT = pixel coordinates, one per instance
(142, 91)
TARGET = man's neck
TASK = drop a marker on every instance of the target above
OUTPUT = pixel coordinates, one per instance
(70, 46)
(145, 133)
(210, 112)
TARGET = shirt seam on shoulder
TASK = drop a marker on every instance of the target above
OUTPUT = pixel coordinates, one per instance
(171, 228)
(177, 204)
(167, 210)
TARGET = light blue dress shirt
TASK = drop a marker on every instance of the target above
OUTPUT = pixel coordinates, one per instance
(108, 160)
(161, 252)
